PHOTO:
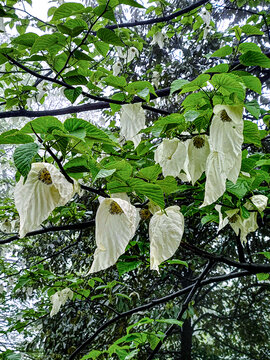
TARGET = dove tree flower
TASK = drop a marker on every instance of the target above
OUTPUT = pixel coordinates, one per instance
(60, 298)
(44, 189)
(224, 160)
(159, 38)
(198, 151)
(171, 155)
(117, 66)
(132, 53)
(132, 120)
(205, 15)
(166, 229)
(238, 224)
(116, 222)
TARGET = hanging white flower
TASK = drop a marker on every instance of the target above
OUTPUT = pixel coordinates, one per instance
(171, 155)
(159, 38)
(44, 190)
(206, 31)
(205, 15)
(215, 185)
(132, 119)
(116, 223)
(120, 53)
(226, 130)
(166, 229)
(60, 298)
(2, 25)
(116, 68)
(156, 78)
(198, 151)
(238, 224)
(132, 53)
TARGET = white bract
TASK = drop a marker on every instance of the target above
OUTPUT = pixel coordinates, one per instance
(2, 25)
(205, 15)
(60, 298)
(116, 68)
(116, 223)
(238, 224)
(171, 155)
(132, 53)
(166, 229)
(224, 161)
(132, 119)
(44, 189)
(206, 31)
(198, 151)
(159, 38)
(156, 78)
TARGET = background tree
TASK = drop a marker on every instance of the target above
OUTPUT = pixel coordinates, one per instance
(64, 82)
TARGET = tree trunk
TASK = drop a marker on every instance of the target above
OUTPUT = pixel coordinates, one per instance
(186, 340)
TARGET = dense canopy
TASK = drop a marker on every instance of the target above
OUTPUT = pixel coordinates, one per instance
(134, 215)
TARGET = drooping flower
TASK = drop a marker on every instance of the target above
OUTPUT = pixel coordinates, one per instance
(198, 151)
(156, 78)
(205, 15)
(239, 224)
(206, 31)
(166, 229)
(215, 185)
(224, 161)
(171, 155)
(60, 298)
(116, 223)
(117, 66)
(44, 190)
(2, 25)
(132, 53)
(159, 38)
(132, 119)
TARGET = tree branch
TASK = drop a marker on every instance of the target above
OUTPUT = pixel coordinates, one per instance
(152, 304)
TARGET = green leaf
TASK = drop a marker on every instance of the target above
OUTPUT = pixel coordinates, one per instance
(265, 253)
(221, 68)
(92, 132)
(177, 85)
(94, 354)
(244, 212)
(75, 80)
(177, 262)
(26, 39)
(116, 81)
(77, 165)
(191, 115)
(109, 37)
(23, 156)
(103, 173)
(239, 189)
(73, 27)
(249, 46)
(14, 137)
(137, 86)
(171, 321)
(42, 125)
(131, 3)
(251, 30)
(228, 84)
(51, 43)
(253, 83)
(262, 276)
(153, 340)
(254, 58)
(222, 52)
(253, 108)
(105, 11)
(102, 47)
(127, 266)
(152, 191)
(150, 173)
(251, 133)
(72, 94)
(196, 84)
(123, 167)
(66, 10)
(168, 185)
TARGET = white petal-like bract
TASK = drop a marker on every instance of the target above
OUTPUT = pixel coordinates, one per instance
(60, 298)
(260, 201)
(131, 53)
(166, 229)
(205, 15)
(198, 151)
(116, 223)
(116, 68)
(171, 155)
(132, 118)
(44, 190)
(215, 185)
(158, 38)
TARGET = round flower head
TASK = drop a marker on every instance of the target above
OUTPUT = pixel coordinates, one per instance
(166, 229)
(171, 155)
(198, 151)
(132, 119)
(116, 223)
(44, 189)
